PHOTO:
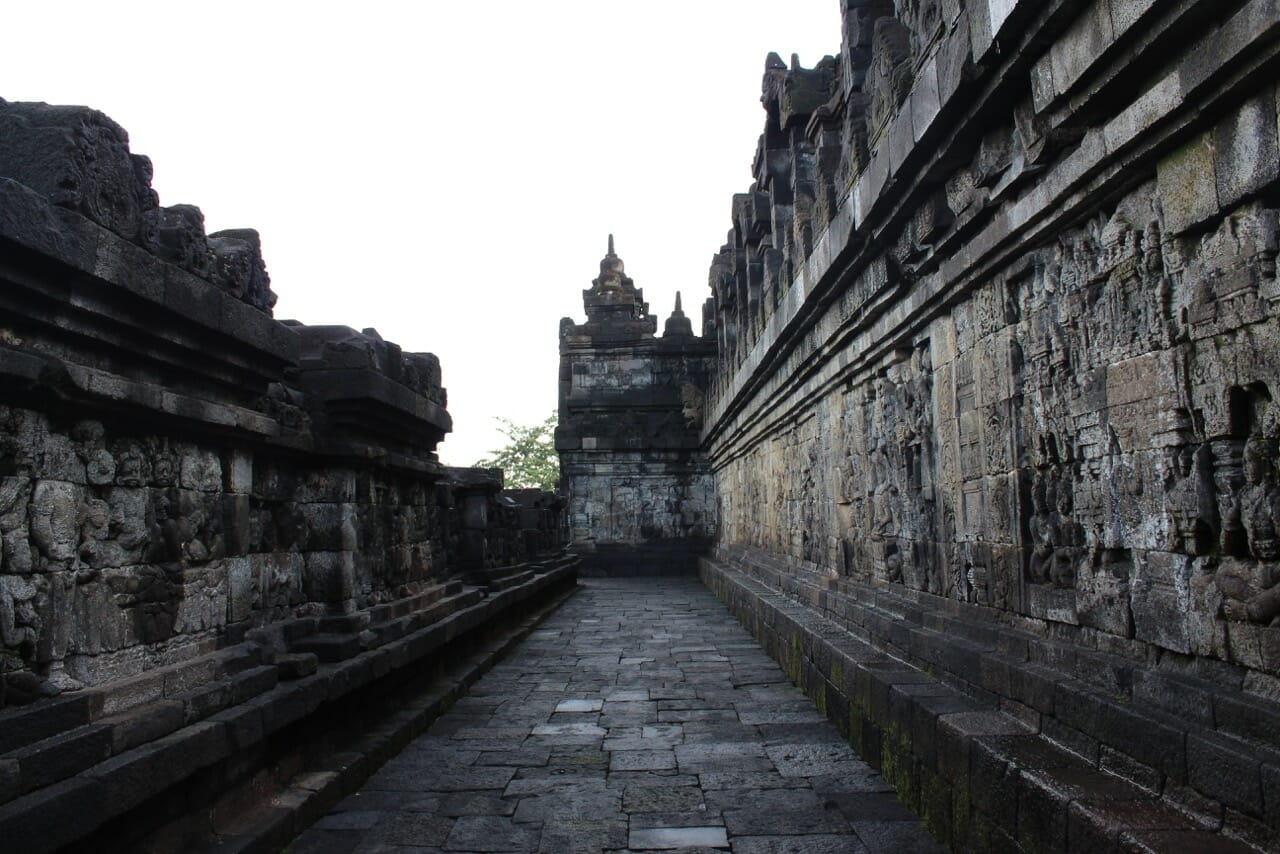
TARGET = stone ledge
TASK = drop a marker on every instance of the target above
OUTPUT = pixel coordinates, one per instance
(270, 825)
(777, 374)
(62, 745)
(985, 770)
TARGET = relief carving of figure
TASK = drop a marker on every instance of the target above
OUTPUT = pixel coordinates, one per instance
(1069, 540)
(923, 19)
(1056, 538)
(692, 403)
(1040, 526)
(1189, 494)
(1251, 588)
(889, 78)
(19, 615)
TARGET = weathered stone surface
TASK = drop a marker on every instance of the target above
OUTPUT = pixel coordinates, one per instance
(566, 795)
(179, 472)
(1016, 364)
(630, 408)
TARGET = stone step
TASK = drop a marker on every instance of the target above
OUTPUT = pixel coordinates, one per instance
(442, 609)
(55, 758)
(403, 607)
(1019, 665)
(330, 647)
(295, 665)
(503, 582)
(1122, 772)
(72, 766)
(343, 624)
(24, 725)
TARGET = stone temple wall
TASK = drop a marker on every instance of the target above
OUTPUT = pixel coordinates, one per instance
(639, 491)
(998, 341)
(204, 511)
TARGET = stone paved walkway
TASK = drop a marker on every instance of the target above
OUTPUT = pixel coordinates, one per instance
(640, 716)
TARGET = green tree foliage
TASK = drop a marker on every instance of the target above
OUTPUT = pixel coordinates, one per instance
(529, 458)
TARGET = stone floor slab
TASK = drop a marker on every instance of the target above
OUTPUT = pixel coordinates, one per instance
(639, 717)
(666, 838)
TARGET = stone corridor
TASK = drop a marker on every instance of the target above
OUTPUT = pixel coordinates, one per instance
(640, 716)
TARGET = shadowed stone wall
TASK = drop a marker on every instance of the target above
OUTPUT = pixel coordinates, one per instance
(212, 523)
(639, 489)
(998, 345)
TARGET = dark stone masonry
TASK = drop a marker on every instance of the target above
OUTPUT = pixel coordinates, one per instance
(221, 534)
(993, 422)
(639, 716)
(639, 487)
(977, 435)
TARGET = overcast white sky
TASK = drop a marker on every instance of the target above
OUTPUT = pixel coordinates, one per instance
(444, 172)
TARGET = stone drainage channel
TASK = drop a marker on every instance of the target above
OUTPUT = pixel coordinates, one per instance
(638, 717)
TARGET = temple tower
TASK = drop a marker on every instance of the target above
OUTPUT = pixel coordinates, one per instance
(639, 489)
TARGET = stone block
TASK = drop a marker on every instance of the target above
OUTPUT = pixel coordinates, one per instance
(1227, 770)
(1256, 23)
(986, 20)
(189, 675)
(239, 472)
(1126, 13)
(957, 733)
(204, 701)
(925, 710)
(27, 218)
(1161, 100)
(1188, 184)
(242, 724)
(53, 817)
(200, 470)
(24, 726)
(1033, 685)
(140, 774)
(1084, 43)
(955, 59)
(1043, 90)
(1161, 600)
(240, 593)
(925, 100)
(993, 784)
(328, 576)
(1246, 716)
(278, 579)
(898, 141)
(61, 756)
(1188, 700)
(1069, 739)
(1245, 150)
(1096, 824)
(1143, 736)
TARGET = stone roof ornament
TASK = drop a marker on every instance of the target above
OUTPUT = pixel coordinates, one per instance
(677, 323)
(613, 277)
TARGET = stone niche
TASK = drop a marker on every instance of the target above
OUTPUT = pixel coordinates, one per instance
(205, 513)
(998, 359)
(638, 488)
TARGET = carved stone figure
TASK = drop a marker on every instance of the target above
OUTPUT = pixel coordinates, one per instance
(889, 78)
(692, 400)
(1251, 588)
(1057, 539)
(19, 619)
(176, 234)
